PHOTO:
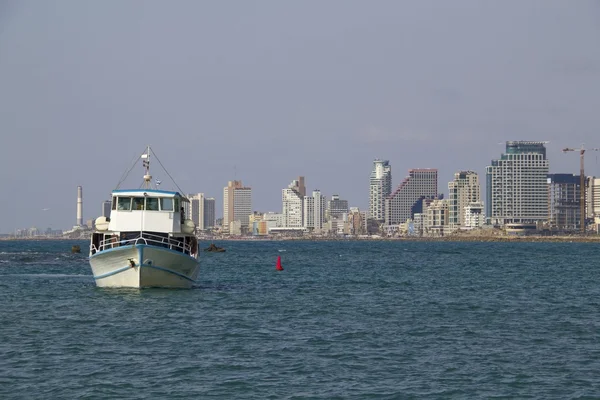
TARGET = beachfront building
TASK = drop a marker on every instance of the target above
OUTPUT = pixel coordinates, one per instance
(595, 197)
(106, 206)
(336, 207)
(293, 204)
(463, 190)
(195, 209)
(237, 206)
(314, 211)
(474, 216)
(355, 220)
(379, 189)
(564, 202)
(418, 223)
(594, 202)
(436, 218)
(209, 213)
(407, 199)
(517, 191)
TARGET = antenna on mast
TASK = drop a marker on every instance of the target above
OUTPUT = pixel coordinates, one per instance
(146, 163)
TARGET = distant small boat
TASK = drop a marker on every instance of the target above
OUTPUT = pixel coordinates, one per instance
(215, 248)
(147, 241)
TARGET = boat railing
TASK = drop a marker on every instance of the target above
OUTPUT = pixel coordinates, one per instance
(171, 243)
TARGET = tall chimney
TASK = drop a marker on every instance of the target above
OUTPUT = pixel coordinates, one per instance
(79, 206)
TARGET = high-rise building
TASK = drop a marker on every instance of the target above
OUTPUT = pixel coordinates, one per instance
(407, 199)
(594, 203)
(195, 210)
(336, 207)
(379, 189)
(237, 205)
(590, 202)
(314, 211)
(209, 213)
(106, 205)
(595, 197)
(293, 201)
(516, 184)
(464, 189)
(564, 211)
(301, 187)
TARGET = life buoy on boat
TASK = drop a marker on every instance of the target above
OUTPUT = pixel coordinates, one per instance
(188, 226)
(101, 223)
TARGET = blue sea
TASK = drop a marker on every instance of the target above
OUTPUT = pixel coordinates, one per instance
(344, 320)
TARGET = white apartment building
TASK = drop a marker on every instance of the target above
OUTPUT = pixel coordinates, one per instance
(464, 189)
(237, 205)
(407, 199)
(516, 184)
(418, 224)
(595, 198)
(379, 189)
(474, 216)
(292, 200)
(195, 209)
(314, 211)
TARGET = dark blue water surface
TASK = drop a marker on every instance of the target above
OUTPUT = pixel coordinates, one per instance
(363, 320)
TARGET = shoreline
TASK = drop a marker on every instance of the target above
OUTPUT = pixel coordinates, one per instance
(469, 238)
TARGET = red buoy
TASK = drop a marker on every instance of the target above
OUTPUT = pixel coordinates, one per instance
(278, 267)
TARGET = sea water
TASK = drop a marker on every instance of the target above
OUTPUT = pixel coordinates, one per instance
(345, 319)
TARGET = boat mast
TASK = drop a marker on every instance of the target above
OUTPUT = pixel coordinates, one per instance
(146, 164)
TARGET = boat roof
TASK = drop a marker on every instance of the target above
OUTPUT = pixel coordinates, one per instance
(159, 193)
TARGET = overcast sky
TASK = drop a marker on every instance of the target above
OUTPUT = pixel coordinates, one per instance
(265, 91)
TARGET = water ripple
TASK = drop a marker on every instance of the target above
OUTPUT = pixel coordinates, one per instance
(351, 320)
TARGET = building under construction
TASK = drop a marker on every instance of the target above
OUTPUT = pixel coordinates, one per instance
(564, 193)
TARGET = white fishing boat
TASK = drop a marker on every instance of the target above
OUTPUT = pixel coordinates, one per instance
(147, 241)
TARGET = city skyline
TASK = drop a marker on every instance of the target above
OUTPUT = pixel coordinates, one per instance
(251, 93)
(325, 193)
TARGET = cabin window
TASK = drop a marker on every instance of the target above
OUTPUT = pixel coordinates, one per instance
(177, 204)
(114, 203)
(152, 203)
(166, 204)
(138, 203)
(124, 203)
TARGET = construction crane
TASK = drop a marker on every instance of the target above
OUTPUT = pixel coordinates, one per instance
(582, 190)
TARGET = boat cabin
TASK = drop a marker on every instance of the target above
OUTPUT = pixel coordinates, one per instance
(147, 210)
(146, 216)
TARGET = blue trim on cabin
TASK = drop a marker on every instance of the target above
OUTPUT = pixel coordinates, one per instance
(146, 191)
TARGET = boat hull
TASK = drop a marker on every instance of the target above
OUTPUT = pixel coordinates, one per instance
(141, 265)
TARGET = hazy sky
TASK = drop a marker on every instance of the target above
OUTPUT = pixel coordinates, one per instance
(264, 91)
